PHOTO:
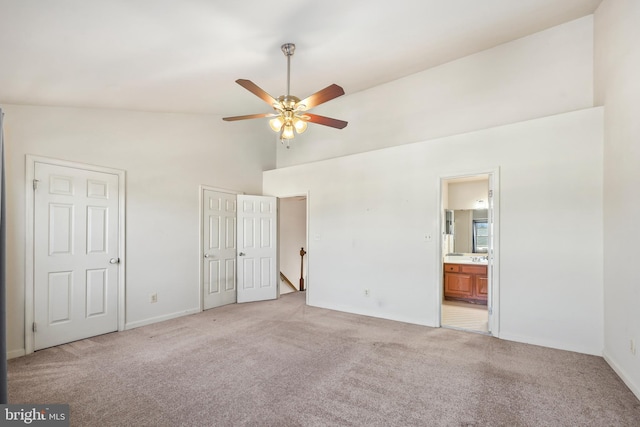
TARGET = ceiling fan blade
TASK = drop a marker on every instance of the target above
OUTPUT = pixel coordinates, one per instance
(257, 91)
(326, 121)
(248, 116)
(322, 96)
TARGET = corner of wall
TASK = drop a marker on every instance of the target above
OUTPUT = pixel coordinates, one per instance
(635, 388)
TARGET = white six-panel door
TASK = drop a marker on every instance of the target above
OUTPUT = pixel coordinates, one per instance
(219, 248)
(75, 254)
(257, 248)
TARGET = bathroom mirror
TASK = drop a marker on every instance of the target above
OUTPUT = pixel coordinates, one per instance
(470, 231)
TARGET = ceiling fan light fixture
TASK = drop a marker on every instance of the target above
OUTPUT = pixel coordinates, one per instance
(287, 131)
(299, 125)
(276, 124)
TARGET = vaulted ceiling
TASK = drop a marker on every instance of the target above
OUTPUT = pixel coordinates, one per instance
(184, 56)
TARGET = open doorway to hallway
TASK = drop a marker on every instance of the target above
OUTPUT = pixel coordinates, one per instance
(293, 244)
(467, 248)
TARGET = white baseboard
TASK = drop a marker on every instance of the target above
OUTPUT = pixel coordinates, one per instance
(595, 351)
(12, 354)
(376, 314)
(16, 353)
(635, 388)
(137, 324)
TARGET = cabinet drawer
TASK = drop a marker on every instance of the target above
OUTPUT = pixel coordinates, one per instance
(451, 268)
(474, 269)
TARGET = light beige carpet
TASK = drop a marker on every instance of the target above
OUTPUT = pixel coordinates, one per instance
(282, 363)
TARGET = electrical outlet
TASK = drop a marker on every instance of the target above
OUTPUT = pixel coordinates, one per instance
(153, 298)
(632, 346)
(366, 292)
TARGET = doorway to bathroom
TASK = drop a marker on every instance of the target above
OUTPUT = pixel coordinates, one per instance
(468, 253)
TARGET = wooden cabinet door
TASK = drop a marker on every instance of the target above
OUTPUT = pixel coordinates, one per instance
(458, 285)
(482, 284)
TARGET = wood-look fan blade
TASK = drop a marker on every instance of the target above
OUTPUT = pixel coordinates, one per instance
(322, 96)
(257, 91)
(326, 121)
(248, 116)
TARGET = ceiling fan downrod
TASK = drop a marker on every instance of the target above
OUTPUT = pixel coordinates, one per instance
(288, 49)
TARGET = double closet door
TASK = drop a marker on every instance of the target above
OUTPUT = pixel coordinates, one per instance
(239, 248)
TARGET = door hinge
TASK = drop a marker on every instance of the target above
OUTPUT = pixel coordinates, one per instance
(34, 327)
(35, 184)
(490, 193)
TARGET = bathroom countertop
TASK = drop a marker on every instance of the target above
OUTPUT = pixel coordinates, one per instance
(466, 259)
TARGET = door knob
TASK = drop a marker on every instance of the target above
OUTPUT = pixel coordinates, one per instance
(114, 261)
(208, 256)
(241, 254)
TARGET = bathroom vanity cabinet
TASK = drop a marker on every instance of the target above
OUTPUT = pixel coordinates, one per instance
(466, 282)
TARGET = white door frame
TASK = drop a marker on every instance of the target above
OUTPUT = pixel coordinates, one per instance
(494, 250)
(306, 239)
(29, 316)
(307, 282)
(201, 190)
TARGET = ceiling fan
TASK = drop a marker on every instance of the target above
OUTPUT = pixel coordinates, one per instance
(291, 112)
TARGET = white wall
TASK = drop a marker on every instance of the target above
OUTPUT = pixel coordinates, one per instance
(369, 214)
(617, 55)
(292, 236)
(464, 195)
(547, 73)
(166, 157)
